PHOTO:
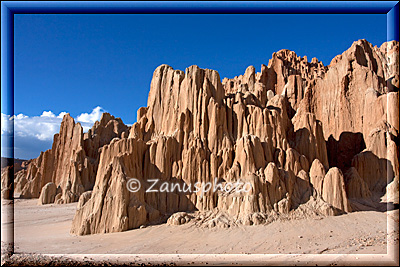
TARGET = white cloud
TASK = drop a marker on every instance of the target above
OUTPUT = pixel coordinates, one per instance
(61, 115)
(6, 124)
(92, 117)
(48, 114)
(41, 129)
(21, 116)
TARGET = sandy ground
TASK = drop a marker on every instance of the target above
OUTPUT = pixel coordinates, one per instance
(45, 229)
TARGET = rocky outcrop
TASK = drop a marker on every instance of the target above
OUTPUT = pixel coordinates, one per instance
(194, 130)
(71, 164)
(317, 174)
(19, 180)
(357, 102)
(286, 74)
(83, 199)
(6, 182)
(333, 190)
(356, 187)
(12, 171)
(392, 192)
(307, 138)
(48, 194)
(354, 80)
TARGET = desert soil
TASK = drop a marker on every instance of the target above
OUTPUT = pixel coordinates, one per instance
(45, 229)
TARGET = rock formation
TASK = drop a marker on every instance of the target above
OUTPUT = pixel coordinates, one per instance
(309, 138)
(48, 194)
(11, 169)
(71, 163)
(6, 182)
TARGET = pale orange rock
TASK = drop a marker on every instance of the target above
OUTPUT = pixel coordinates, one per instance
(266, 128)
(6, 182)
(290, 130)
(317, 174)
(309, 138)
(356, 187)
(334, 191)
(48, 194)
(193, 131)
(355, 81)
(71, 163)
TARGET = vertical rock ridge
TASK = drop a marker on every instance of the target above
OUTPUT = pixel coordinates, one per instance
(299, 132)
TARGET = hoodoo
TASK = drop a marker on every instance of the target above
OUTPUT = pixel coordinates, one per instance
(307, 137)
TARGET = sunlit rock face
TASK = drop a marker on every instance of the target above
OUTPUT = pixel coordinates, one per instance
(71, 164)
(304, 135)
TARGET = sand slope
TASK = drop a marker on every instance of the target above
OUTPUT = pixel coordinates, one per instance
(45, 229)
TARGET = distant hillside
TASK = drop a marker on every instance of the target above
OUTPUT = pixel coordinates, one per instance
(9, 161)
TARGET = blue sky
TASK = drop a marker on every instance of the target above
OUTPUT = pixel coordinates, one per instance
(87, 64)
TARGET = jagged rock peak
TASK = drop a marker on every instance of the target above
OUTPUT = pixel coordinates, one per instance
(298, 132)
(71, 164)
(291, 56)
